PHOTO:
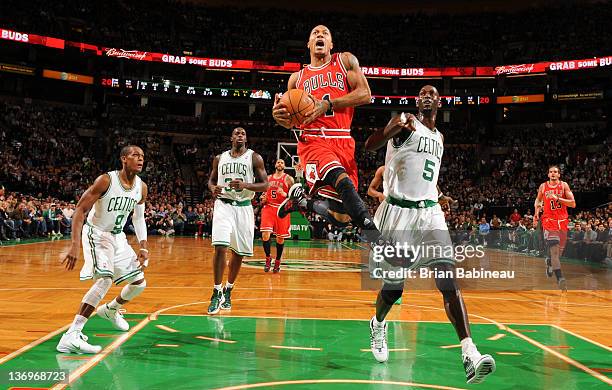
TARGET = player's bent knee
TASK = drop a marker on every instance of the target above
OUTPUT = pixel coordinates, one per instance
(334, 176)
(132, 290)
(97, 291)
(280, 240)
(390, 294)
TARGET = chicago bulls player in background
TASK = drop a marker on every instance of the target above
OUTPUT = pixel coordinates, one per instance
(337, 85)
(280, 182)
(554, 197)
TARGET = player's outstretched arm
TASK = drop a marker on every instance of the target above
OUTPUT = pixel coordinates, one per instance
(212, 178)
(93, 193)
(279, 110)
(396, 125)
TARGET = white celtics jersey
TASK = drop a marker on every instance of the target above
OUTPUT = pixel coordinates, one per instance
(240, 168)
(412, 168)
(110, 212)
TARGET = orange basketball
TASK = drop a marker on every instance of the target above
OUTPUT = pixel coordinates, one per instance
(298, 103)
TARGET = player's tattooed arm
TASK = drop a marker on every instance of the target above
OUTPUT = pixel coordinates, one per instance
(360, 89)
(359, 94)
(212, 178)
(568, 199)
(89, 197)
(397, 124)
(289, 182)
(279, 110)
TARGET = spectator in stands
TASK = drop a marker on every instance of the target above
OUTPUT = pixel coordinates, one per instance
(483, 231)
(608, 243)
(50, 214)
(515, 216)
(6, 225)
(179, 219)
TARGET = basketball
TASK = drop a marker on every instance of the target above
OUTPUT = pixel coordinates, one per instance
(298, 103)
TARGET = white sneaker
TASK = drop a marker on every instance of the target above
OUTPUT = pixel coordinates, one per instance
(378, 340)
(477, 366)
(76, 342)
(114, 316)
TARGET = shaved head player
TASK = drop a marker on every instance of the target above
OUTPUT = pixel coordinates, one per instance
(325, 147)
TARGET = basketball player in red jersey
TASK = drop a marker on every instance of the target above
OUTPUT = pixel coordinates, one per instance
(554, 197)
(280, 182)
(337, 85)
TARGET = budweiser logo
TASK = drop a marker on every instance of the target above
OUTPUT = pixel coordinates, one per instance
(132, 54)
(514, 69)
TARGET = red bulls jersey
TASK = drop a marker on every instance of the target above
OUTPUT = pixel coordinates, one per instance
(328, 81)
(272, 194)
(553, 208)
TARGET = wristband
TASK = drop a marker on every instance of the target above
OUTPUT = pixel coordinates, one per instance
(144, 250)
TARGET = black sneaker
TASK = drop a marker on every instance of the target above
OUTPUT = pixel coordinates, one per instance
(292, 203)
(549, 269)
(227, 294)
(216, 300)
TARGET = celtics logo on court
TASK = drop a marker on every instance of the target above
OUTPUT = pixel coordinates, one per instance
(309, 265)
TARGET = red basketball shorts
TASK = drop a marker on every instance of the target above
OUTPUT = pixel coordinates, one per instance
(320, 156)
(555, 230)
(270, 222)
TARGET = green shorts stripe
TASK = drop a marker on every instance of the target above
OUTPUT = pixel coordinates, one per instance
(241, 253)
(127, 276)
(221, 243)
(384, 217)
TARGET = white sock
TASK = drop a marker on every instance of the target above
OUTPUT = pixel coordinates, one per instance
(78, 323)
(229, 285)
(114, 304)
(467, 344)
(375, 321)
(219, 287)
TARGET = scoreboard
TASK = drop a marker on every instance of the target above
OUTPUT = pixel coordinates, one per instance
(171, 88)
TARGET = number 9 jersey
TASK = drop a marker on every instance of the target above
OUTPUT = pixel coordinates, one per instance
(110, 212)
(106, 250)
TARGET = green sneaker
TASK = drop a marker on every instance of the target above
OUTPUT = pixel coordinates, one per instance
(227, 294)
(216, 300)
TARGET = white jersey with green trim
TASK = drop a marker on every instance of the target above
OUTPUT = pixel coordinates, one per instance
(239, 168)
(110, 212)
(412, 168)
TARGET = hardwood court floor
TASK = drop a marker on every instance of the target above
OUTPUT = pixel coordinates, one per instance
(279, 330)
